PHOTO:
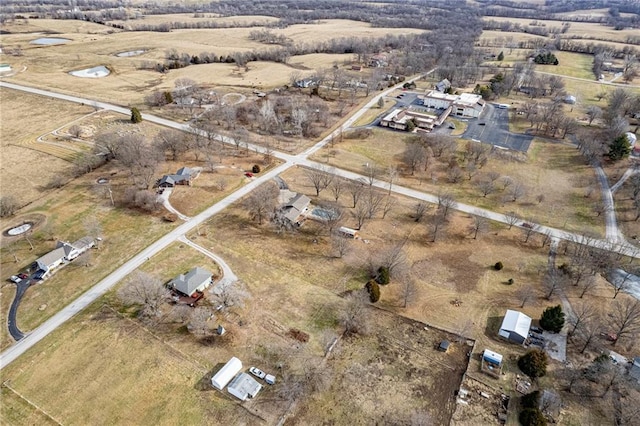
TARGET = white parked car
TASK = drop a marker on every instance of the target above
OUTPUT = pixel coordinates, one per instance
(257, 372)
(16, 279)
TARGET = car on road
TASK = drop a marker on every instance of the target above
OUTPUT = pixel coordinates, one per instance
(16, 279)
(257, 372)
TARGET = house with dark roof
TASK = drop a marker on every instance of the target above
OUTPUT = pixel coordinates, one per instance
(196, 280)
(182, 177)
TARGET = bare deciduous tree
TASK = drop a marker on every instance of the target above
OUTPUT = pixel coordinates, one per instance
(340, 244)
(437, 225)
(582, 312)
(199, 320)
(336, 187)
(421, 209)
(480, 225)
(512, 219)
(625, 318)
(355, 315)
(446, 202)
(355, 189)
(320, 179)
(553, 282)
(262, 201)
(145, 290)
(524, 294)
(231, 295)
(408, 290)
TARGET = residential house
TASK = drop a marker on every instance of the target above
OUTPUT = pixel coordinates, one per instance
(182, 177)
(515, 326)
(244, 386)
(306, 82)
(378, 61)
(294, 206)
(64, 252)
(196, 280)
(226, 373)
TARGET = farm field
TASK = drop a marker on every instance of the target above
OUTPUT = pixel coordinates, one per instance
(584, 30)
(190, 19)
(25, 117)
(552, 169)
(127, 84)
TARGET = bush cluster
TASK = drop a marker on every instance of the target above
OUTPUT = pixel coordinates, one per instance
(374, 291)
(498, 266)
(530, 415)
(533, 363)
(383, 275)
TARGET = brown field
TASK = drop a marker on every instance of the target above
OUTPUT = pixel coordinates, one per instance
(288, 267)
(582, 29)
(189, 18)
(315, 61)
(552, 169)
(128, 85)
(25, 117)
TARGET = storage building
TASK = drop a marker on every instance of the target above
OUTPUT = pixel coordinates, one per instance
(244, 386)
(515, 326)
(226, 373)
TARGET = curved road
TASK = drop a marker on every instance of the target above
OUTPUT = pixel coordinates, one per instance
(12, 324)
(289, 160)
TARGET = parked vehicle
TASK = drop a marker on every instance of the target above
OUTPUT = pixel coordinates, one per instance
(249, 175)
(16, 279)
(536, 329)
(270, 379)
(257, 372)
(23, 276)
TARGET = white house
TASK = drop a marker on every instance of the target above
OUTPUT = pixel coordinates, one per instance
(515, 326)
(438, 100)
(244, 386)
(63, 252)
(226, 373)
(197, 279)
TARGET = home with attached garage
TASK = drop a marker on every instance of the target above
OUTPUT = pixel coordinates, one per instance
(196, 280)
(64, 252)
(182, 177)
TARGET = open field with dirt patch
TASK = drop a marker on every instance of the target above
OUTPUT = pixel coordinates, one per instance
(24, 118)
(553, 169)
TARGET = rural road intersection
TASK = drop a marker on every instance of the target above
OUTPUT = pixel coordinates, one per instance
(179, 233)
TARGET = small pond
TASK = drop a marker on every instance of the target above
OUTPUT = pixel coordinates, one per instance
(130, 53)
(18, 230)
(95, 72)
(47, 41)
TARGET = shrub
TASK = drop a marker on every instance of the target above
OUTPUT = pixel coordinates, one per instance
(383, 275)
(531, 400)
(136, 117)
(510, 281)
(552, 319)
(8, 205)
(255, 168)
(168, 97)
(498, 266)
(532, 417)
(533, 363)
(374, 291)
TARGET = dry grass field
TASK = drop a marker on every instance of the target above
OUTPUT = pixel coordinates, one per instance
(189, 18)
(553, 169)
(585, 30)
(571, 65)
(128, 85)
(25, 117)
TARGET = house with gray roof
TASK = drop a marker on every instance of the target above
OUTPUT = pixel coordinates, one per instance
(295, 208)
(64, 252)
(182, 177)
(196, 280)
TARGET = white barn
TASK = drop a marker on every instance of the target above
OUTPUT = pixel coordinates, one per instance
(244, 386)
(515, 326)
(226, 373)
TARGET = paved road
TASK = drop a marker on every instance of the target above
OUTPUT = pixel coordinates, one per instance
(103, 286)
(493, 127)
(111, 280)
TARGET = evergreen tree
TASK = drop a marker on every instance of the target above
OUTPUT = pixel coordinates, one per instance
(619, 148)
(533, 363)
(136, 117)
(374, 291)
(501, 56)
(552, 319)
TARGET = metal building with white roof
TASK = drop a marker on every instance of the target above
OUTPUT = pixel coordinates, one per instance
(515, 326)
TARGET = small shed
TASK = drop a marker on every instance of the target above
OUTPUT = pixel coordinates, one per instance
(492, 357)
(348, 232)
(226, 373)
(244, 386)
(515, 326)
(444, 346)
(570, 99)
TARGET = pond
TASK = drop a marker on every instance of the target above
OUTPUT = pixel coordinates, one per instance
(47, 41)
(17, 230)
(130, 53)
(95, 72)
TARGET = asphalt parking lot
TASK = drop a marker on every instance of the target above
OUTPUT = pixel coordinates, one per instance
(493, 127)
